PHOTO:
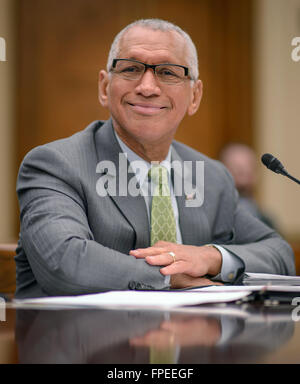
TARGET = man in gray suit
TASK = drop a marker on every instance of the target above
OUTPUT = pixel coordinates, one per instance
(83, 232)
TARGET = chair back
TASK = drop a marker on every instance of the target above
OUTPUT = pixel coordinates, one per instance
(7, 268)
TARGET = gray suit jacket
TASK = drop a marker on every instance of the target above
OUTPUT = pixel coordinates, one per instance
(72, 241)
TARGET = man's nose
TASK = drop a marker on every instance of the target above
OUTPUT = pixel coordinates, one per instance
(148, 84)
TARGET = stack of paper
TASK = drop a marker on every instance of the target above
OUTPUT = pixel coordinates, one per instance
(268, 279)
(256, 286)
(274, 294)
(134, 299)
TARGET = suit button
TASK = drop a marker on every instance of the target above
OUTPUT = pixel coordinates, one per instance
(132, 285)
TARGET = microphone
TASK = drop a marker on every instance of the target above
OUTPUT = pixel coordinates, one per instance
(275, 165)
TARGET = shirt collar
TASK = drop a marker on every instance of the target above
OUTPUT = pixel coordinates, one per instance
(133, 158)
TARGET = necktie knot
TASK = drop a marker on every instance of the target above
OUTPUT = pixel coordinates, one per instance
(159, 174)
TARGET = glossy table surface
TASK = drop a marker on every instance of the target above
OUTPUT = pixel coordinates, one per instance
(204, 334)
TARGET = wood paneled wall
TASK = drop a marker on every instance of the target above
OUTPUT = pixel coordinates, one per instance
(64, 44)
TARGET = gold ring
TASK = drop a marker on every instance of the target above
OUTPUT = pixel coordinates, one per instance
(173, 255)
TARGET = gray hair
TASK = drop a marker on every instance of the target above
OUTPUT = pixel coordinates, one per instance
(161, 25)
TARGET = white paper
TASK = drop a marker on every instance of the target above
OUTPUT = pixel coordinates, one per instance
(135, 299)
(269, 279)
(248, 288)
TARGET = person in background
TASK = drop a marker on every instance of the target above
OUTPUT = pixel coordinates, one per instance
(241, 161)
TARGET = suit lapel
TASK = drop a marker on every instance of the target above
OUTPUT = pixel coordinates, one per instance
(133, 208)
(193, 221)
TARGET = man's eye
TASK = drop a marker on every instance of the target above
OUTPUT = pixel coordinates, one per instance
(167, 72)
(131, 69)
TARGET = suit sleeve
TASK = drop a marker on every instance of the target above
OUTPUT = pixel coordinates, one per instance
(56, 237)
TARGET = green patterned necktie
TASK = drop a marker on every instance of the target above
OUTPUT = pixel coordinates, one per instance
(163, 226)
(163, 355)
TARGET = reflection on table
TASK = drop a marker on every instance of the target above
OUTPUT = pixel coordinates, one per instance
(211, 334)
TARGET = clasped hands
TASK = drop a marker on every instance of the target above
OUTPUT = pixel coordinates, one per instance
(192, 265)
(181, 330)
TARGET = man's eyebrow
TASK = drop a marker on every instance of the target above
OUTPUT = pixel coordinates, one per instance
(136, 56)
(166, 61)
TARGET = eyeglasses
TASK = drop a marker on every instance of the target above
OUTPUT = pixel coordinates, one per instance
(134, 70)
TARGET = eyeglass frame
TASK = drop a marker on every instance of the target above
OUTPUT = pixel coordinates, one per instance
(153, 66)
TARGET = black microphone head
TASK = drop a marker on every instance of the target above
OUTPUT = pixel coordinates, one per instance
(272, 163)
(267, 159)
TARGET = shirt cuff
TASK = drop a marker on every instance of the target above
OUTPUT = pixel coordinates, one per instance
(231, 265)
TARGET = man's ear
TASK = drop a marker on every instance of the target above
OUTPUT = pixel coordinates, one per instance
(197, 92)
(103, 81)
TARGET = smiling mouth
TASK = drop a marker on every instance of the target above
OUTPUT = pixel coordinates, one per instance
(146, 109)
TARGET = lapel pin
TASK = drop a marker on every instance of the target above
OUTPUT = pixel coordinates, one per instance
(190, 196)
